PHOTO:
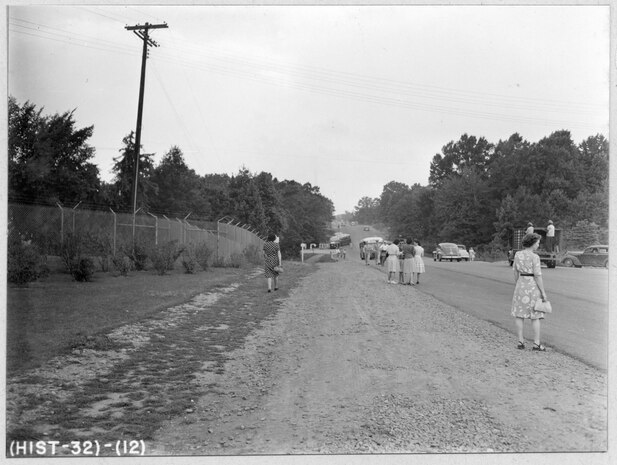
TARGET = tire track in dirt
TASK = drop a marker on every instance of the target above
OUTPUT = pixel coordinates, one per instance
(151, 371)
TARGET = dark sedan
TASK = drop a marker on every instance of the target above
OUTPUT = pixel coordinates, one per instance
(594, 255)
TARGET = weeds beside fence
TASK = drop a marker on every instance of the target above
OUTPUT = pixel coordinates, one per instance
(79, 235)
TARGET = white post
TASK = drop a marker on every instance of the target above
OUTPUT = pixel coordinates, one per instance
(114, 213)
(156, 229)
(61, 222)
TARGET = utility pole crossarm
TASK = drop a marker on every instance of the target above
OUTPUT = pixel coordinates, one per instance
(145, 26)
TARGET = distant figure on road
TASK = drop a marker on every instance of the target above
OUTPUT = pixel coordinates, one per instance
(418, 262)
(392, 265)
(382, 253)
(529, 229)
(272, 259)
(472, 254)
(408, 253)
(550, 236)
(529, 288)
(368, 249)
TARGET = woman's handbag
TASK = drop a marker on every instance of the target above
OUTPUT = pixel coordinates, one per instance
(542, 306)
(278, 269)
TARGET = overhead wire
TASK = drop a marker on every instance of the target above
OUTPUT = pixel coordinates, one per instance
(378, 82)
(389, 101)
(344, 85)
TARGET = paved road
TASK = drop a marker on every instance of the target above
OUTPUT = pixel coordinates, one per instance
(577, 327)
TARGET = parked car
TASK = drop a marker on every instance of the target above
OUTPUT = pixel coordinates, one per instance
(369, 240)
(594, 255)
(462, 250)
(447, 251)
(366, 228)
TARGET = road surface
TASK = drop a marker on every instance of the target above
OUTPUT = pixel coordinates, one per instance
(578, 325)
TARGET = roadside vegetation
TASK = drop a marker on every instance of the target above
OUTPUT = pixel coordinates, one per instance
(478, 191)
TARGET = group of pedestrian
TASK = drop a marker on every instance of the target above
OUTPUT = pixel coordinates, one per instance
(404, 265)
(403, 261)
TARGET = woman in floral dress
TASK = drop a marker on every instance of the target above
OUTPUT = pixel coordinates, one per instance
(272, 259)
(529, 289)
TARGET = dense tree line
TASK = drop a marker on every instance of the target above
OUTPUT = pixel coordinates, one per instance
(50, 161)
(478, 191)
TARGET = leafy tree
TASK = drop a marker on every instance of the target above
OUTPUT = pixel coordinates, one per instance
(582, 234)
(468, 151)
(367, 210)
(309, 215)
(124, 169)
(246, 201)
(271, 201)
(462, 207)
(49, 158)
(593, 162)
(178, 187)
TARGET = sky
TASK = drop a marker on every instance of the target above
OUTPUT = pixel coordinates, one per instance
(347, 98)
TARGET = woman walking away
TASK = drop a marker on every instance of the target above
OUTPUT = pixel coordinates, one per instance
(408, 253)
(272, 260)
(392, 266)
(418, 263)
(529, 289)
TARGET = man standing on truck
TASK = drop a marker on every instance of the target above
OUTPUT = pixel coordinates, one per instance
(550, 236)
(529, 229)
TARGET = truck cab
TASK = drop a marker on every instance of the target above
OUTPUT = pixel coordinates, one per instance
(549, 258)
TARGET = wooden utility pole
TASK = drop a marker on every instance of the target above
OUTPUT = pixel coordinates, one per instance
(141, 31)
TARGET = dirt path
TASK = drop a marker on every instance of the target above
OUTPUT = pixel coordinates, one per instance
(351, 365)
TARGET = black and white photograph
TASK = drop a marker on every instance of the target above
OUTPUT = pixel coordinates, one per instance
(348, 232)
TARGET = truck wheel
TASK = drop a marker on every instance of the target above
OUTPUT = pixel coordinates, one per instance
(511, 262)
(550, 264)
(606, 263)
(458, 260)
(568, 262)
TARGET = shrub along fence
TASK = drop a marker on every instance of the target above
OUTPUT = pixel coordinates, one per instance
(47, 227)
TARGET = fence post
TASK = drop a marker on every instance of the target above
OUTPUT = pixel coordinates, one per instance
(115, 230)
(74, 215)
(156, 229)
(186, 223)
(61, 222)
(168, 227)
(181, 231)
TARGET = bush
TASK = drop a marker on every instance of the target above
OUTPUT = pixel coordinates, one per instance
(24, 262)
(83, 269)
(163, 256)
(138, 254)
(188, 260)
(219, 262)
(203, 255)
(71, 250)
(236, 260)
(121, 263)
(253, 254)
(101, 245)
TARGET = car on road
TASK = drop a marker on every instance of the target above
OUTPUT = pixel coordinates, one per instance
(447, 251)
(462, 250)
(369, 240)
(594, 255)
(366, 228)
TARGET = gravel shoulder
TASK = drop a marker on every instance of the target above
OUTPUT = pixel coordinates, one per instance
(351, 365)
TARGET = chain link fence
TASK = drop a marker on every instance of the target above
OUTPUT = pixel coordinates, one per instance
(47, 227)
